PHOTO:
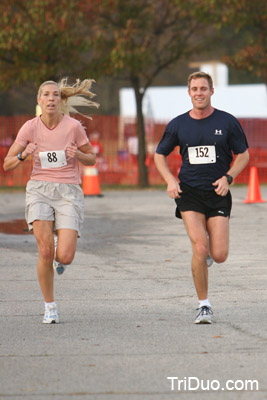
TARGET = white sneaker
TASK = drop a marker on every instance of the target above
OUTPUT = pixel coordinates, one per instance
(209, 261)
(60, 268)
(204, 315)
(51, 315)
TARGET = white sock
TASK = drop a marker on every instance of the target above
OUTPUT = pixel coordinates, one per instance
(52, 304)
(204, 303)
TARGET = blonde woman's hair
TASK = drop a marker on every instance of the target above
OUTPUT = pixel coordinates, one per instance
(72, 96)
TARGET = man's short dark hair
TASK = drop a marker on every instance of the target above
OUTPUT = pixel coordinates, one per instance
(199, 74)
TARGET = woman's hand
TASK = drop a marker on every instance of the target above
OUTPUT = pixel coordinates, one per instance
(71, 150)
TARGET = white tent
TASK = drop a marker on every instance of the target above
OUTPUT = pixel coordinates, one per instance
(165, 103)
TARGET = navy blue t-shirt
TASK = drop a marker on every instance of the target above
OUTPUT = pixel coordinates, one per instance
(213, 140)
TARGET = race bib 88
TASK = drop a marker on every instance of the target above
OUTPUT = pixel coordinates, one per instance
(202, 155)
(53, 159)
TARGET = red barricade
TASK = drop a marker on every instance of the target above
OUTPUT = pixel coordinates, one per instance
(117, 165)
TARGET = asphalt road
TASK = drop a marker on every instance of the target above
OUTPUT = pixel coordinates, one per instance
(127, 306)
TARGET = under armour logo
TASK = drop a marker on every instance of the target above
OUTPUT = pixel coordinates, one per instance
(218, 132)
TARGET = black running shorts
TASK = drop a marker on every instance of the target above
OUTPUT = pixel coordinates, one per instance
(206, 202)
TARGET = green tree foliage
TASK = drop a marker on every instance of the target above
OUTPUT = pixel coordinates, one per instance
(249, 20)
(137, 39)
(38, 40)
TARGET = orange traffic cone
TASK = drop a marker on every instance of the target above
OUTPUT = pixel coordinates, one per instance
(90, 182)
(254, 193)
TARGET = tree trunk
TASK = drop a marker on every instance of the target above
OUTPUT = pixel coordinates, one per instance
(141, 134)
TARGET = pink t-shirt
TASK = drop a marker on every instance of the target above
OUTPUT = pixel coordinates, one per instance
(49, 142)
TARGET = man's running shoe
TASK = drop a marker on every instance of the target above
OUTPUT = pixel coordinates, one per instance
(51, 315)
(60, 268)
(204, 315)
(209, 261)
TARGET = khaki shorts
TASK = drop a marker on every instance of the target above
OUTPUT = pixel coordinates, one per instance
(62, 203)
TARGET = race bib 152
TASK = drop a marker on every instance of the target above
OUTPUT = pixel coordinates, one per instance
(202, 155)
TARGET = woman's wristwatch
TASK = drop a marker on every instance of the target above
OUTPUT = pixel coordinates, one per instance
(20, 157)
